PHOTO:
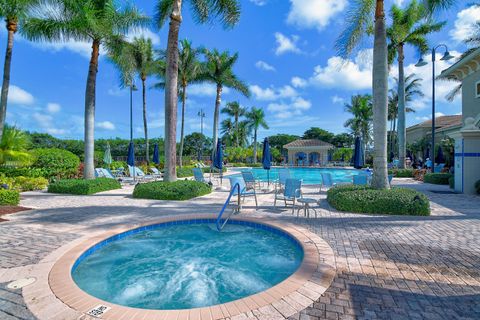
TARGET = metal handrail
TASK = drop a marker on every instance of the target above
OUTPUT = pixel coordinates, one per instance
(219, 218)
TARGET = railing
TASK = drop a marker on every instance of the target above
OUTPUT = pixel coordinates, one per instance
(220, 224)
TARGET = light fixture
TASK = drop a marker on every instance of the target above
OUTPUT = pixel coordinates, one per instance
(421, 63)
(447, 56)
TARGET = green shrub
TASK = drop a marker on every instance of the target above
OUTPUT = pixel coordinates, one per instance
(24, 183)
(215, 170)
(178, 190)
(437, 178)
(9, 197)
(83, 187)
(362, 199)
(242, 164)
(22, 172)
(477, 186)
(451, 182)
(56, 163)
(186, 171)
(402, 173)
(118, 164)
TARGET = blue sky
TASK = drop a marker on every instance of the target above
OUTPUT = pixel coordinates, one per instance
(286, 57)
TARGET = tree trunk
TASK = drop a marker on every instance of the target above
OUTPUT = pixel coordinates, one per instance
(171, 93)
(182, 131)
(236, 131)
(89, 166)
(394, 139)
(145, 124)
(380, 99)
(216, 115)
(401, 110)
(255, 145)
(11, 28)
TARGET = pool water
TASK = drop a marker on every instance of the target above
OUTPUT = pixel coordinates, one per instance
(308, 175)
(188, 266)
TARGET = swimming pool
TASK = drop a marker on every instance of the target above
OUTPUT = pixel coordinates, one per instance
(307, 175)
(187, 264)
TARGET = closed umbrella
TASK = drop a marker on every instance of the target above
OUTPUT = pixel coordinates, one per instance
(131, 158)
(440, 157)
(392, 155)
(156, 156)
(358, 154)
(267, 158)
(218, 159)
(107, 157)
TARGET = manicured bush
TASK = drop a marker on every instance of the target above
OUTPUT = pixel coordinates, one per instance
(9, 197)
(360, 199)
(22, 172)
(186, 171)
(178, 190)
(437, 178)
(83, 187)
(242, 164)
(118, 164)
(56, 163)
(401, 173)
(24, 183)
(215, 170)
(451, 182)
(477, 186)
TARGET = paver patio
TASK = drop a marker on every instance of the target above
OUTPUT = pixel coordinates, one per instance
(388, 267)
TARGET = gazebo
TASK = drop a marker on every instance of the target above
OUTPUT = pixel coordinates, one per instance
(308, 152)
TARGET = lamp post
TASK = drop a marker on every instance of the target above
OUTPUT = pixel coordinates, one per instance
(421, 63)
(202, 115)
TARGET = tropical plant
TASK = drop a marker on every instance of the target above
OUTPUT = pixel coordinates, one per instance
(227, 129)
(228, 12)
(218, 69)
(136, 58)
(14, 146)
(359, 23)
(256, 119)
(235, 110)
(409, 27)
(101, 22)
(361, 124)
(14, 12)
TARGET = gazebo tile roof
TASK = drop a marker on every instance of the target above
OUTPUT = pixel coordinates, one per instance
(307, 143)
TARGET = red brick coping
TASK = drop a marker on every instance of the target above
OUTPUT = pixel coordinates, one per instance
(290, 296)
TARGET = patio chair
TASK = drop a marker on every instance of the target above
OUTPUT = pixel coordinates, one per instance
(99, 173)
(327, 181)
(245, 190)
(283, 175)
(108, 174)
(360, 180)
(291, 192)
(139, 174)
(250, 180)
(198, 175)
(439, 167)
(156, 172)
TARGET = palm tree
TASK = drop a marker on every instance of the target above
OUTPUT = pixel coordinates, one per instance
(409, 27)
(14, 12)
(136, 58)
(218, 70)
(101, 22)
(236, 111)
(361, 124)
(14, 146)
(256, 119)
(358, 24)
(228, 11)
(244, 131)
(227, 129)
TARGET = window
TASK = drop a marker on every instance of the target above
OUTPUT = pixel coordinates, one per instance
(477, 89)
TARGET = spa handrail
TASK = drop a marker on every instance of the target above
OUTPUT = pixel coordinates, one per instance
(219, 223)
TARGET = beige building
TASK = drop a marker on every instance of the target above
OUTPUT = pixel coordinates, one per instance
(309, 152)
(467, 139)
(444, 126)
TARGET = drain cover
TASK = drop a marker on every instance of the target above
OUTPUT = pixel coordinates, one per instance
(98, 311)
(20, 283)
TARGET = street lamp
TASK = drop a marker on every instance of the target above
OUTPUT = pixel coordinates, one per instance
(202, 115)
(421, 62)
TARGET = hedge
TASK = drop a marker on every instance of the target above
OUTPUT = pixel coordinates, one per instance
(437, 178)
(56, 163)
(83, 187)
(178, 190)
(185, 172)
(9, 197)
(401, 173)
(23, 172)
(242, 164)
(360, 199)
(24, 183)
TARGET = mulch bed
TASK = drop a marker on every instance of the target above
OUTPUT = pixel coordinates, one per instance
(4, 210)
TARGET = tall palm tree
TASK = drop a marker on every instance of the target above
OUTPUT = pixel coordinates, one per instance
(360, 107)
(409, 27)
(137, 59)
(228, 12)
(218, 69)
(227, 129)
(14, 12)
(235, 110)
(256, 119)
(101, 22)
(358, 24)
(244, 131)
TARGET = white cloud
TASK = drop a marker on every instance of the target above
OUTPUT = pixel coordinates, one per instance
(465, 23)
(338, 100)
(145, 33)
(106, 125)
(259, 2)
(262, 65)
(272, 93)
(53, 107)
(398, 2)
(17, 95)
(345, 74)
(298, 82)
(81, 47)
(56, 131)
(425, 118)
(45, 122)
(286, 44)
(314, 13)
(284, 110)
(42, 119)
(204, 90)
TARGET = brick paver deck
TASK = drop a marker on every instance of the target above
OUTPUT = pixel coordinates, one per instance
(388, 267)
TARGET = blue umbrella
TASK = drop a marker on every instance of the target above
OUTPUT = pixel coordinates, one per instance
(218, 159)
(156, 156)
(131, 157)
(266, 158)
(440, 157)
(358, 154)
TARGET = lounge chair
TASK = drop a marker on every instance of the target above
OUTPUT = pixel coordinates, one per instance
(139, 174)
(245, 190)
(250, 180)
(439, 167)
(156, 173)
(327, 181)
(291, 192)
(198, 175)
(99, 173)
(108, 174)
(360, 180)
(283, 175)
